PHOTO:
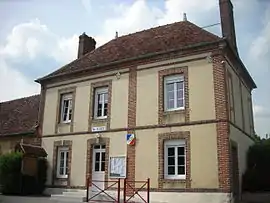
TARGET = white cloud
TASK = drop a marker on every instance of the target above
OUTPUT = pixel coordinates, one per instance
(13, 84)
(33, 39)
(29, 41)
(86, 4)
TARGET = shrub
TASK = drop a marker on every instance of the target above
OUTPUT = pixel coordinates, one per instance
(42, 174)
(10, 172)
(14, 182)
(256, 177)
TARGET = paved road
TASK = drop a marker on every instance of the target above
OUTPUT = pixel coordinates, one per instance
(19, 199)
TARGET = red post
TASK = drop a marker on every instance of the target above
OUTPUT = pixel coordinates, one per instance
(118, 190)
(125, 189)
(148, 190)
(87, 189)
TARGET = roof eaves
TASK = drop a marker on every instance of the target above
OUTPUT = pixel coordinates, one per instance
(29, 133)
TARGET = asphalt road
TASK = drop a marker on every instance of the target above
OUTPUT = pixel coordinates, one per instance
(20, 199)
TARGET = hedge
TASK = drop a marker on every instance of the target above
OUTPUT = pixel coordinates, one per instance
(257, 178)
(14, 182)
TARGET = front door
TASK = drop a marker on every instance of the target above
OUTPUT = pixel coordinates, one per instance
(98, 167)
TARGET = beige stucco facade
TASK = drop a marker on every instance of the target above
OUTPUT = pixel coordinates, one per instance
(200, 78)
(202, 145)
(204, 171)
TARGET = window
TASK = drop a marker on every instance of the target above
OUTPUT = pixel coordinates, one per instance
(62, 162)
(66, 108)
(174, 92)
(101, 102)
(175, 159)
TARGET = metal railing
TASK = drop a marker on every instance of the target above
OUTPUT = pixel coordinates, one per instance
(103, 191)
(135, 190)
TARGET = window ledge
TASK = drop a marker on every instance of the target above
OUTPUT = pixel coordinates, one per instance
(177, 111)
(64, 123)
(167, 180)
(97, 120)
(61, 177)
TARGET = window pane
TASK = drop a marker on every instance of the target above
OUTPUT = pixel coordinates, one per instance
(97, 156)
(100, 98)
(65, 103)
(170, 104)
(180, 85)
(181, 151)
(181, 160)
(169, 87)
(181, 170)
(103, 146)
(99, 112)
(105, 109)
(102, 166)
(171, 170)
(170, 95)
(62, 155)
(61, 171)
(67, 159)
(97, 147)
(97, 166)
(64, 117)
(103, 156)
(106, 97)
(66, 172)
(180, 94)
(171, 161)
(170, 151)
(62, 163)
(180, 103)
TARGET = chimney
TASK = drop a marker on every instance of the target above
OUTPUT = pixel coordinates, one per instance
(227, 22)
(86, 44)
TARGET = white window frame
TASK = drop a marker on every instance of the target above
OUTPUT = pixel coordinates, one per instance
(175, 144)
(100, 90)
(65, 150)
(66, 97)
(174, 79)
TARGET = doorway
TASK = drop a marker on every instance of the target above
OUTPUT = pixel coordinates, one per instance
(98, 167)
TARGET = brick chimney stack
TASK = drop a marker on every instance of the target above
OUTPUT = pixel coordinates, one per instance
(86, 44)
(227, 22)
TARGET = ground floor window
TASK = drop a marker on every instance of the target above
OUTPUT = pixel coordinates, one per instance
(62, 162)
(175, 159)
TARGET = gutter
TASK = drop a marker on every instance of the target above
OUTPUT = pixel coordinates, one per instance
(39, 80)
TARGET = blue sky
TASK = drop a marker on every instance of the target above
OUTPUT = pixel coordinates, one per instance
(37, 37)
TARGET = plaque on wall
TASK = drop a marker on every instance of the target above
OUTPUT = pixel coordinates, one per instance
(117, 167)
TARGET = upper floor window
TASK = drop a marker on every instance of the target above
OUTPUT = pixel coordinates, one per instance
(66, 108)
(101, 102)
(174, 92)
(175, 159)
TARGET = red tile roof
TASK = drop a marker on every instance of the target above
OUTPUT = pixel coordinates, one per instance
(163, 38)
(19, 116)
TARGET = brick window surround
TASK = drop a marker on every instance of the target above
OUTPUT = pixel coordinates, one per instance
(69, 90)
(56, 145)
(105, 83)
(162, 137)
(168, 72)
(89, 158)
